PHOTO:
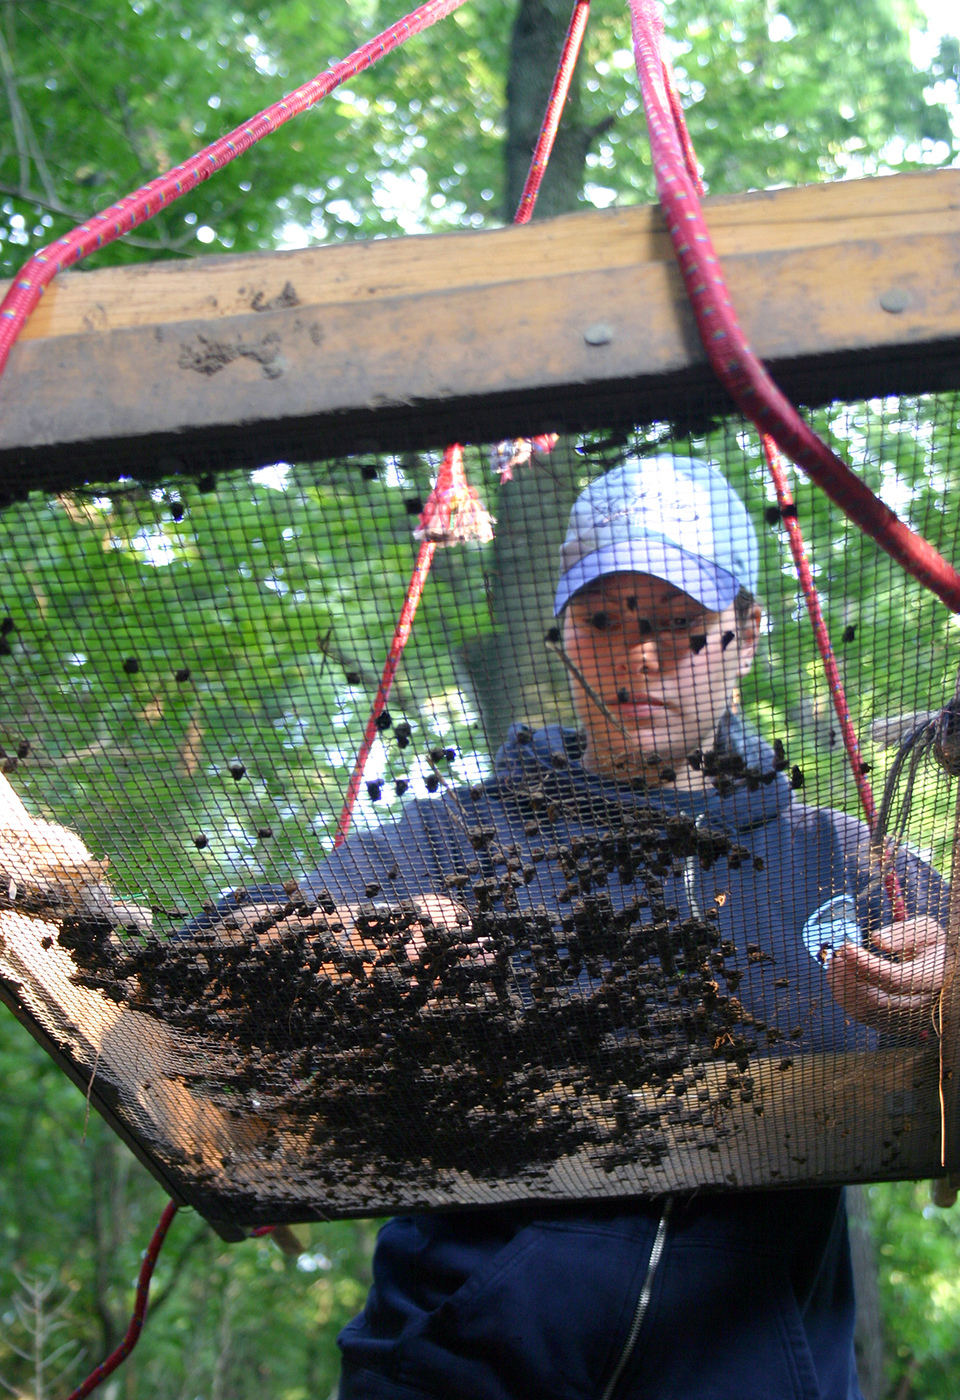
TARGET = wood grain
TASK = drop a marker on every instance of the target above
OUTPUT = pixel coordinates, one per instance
(213, 288)
(847, 290)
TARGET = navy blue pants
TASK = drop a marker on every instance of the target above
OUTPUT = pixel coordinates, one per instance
(752, 1300)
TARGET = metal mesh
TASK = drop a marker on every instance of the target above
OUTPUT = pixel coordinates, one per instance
(523, 977)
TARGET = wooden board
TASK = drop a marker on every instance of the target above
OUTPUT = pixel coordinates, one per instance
(847, 289)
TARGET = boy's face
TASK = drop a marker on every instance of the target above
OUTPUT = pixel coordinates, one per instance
(662, 664)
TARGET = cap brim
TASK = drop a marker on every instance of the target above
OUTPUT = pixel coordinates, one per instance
(711, 586)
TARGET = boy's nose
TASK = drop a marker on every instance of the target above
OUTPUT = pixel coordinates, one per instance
(643, 654)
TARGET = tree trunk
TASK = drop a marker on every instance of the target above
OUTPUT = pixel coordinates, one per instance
(110, 1172)
(868, 1335)
(511, 672)
(537, 40)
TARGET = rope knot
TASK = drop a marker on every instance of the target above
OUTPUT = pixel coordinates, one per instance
(516, 452)
(946, 744)
(454, 513)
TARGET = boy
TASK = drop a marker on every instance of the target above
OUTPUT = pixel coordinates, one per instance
(724, 1297)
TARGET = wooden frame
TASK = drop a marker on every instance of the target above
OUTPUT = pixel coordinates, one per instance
(845, 289)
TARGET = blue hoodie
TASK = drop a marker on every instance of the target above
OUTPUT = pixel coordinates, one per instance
(793, 859)
(732, 1297)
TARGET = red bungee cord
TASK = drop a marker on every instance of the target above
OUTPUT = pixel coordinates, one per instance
(121, 1353)
(788, 514)
(736, 366)
(453, 512)
(404, 623)
(551, 121)
(825, 647)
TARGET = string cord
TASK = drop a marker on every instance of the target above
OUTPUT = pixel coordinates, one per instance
(120, 1354)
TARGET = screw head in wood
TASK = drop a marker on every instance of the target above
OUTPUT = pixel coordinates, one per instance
(600, 334)
(895, 300)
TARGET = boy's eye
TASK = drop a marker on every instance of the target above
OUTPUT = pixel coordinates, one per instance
(662, 625)
(600, 620)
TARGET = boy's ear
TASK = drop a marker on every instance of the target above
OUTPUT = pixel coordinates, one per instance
(749, 637)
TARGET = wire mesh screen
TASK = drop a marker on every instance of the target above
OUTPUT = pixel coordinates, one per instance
(590, 934)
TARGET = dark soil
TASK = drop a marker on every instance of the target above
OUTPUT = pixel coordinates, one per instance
(494, 1046)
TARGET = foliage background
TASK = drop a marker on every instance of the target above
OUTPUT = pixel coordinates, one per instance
(97, 99)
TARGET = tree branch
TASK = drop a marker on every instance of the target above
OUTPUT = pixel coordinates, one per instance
(75, 1361)
(64, 59)
(126, 113)
(39, 160)
(17, 1351)
(600, 128)
(53, 206)
(178, 1268)
(27, 143)
(74, 10)
(16, 110)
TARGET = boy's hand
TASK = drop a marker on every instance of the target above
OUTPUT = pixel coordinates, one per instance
(892, 995)
(47, 871)
(434, 908)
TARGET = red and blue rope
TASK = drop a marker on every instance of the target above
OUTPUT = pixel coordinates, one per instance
(685, 153)
(557, 101)
(735, 364)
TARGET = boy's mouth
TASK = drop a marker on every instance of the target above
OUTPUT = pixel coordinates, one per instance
(639, 705)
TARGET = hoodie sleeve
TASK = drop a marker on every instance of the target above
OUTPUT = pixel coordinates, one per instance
(405, 857)
(924, 890)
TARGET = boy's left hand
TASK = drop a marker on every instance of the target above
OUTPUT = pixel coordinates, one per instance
(892, 995)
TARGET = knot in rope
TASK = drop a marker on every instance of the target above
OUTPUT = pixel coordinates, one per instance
(454, 513)
(946, 742)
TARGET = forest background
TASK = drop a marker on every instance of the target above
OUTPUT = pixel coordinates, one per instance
(96, 99)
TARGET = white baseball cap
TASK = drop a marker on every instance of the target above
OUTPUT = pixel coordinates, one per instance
(675, 518)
